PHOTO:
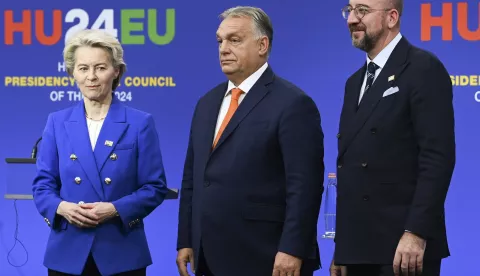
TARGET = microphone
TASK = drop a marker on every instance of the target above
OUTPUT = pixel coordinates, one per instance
(35, 148)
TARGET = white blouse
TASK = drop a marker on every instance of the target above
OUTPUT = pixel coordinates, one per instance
(94, 128)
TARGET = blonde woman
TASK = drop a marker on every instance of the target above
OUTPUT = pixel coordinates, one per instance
(100, 170)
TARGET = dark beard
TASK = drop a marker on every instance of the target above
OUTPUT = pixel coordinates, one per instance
(368, 42)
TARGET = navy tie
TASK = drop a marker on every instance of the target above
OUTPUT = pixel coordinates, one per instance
(371, 69)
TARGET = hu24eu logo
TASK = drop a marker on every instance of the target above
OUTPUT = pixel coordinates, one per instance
(25, 27)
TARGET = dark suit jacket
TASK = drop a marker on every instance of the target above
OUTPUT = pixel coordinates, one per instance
(259, 191)
(396, 156)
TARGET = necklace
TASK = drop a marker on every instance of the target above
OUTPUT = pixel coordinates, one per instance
(86, 115)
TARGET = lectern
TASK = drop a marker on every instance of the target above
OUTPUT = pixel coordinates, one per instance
(21, 172)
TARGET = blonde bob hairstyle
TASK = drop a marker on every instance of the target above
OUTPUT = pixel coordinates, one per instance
(95, 38)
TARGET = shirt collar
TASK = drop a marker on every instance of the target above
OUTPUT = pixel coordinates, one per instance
(249, 82)
(382, 57)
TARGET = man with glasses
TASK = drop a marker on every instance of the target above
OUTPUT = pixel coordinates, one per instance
(396, 151)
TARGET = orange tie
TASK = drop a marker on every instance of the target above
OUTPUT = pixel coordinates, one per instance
(236, 92)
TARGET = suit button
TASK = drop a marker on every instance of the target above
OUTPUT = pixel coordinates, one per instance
(364, 165)
(113, 156)
(338, 135)
(373, 130)
(78, 180)
(206, 184)
(366, 198)
(73, 157)
(339, 166)
(108, 180)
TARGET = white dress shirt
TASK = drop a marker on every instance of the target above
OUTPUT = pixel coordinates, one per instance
(245, 86)
(380, 60)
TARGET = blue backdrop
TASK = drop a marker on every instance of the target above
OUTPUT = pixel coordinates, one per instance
(311, 48)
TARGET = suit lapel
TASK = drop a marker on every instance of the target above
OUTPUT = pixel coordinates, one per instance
(394, 66)
(253, 97)
(211, 116)
(77, 131)
(353, 91)
(112, 130)
(350, 106)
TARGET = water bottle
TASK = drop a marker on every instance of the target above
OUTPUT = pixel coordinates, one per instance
(330, 206)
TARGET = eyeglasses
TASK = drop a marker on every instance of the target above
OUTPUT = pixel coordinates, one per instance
(359, 11)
